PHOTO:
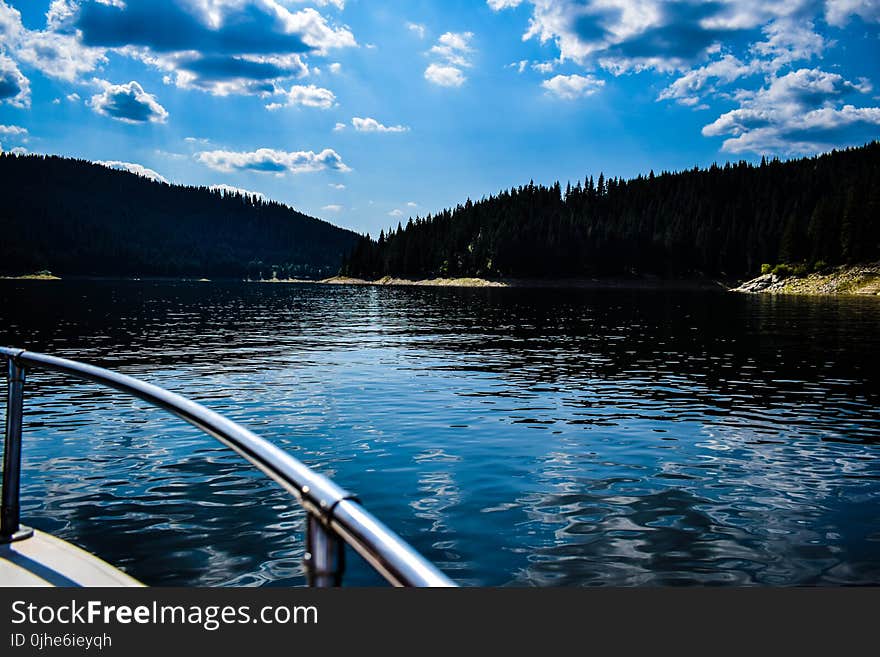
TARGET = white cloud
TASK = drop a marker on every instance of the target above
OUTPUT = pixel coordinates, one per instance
(368, 124)
(229, 189)
(335, 68)
(418, 28)
(520, 66)
(796, 113)
(19, 150)
(788, 41)
(445, 76)
(128, 103)
(453, 50)
(570, 87)
(306, 96)
(132, 167)
(543, 67)
(10, 24)
(339, 4)
(13, 130)
(412, 204)
(15, 88)
(396, 213)
(338, 186)
(333, 207)
(498, 5)
(225, 75)
(267, 160)
(73, 97)
(690, 87)
(57, 55)
(222, 47)
(339, 127)
(666, 35)
(839, 12)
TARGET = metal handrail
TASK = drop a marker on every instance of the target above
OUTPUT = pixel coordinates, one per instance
(332, 512)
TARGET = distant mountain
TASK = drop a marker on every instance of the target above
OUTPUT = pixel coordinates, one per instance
(74, 217)
(725, 220)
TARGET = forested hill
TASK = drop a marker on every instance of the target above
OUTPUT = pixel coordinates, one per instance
(74, 217)
(725, 220)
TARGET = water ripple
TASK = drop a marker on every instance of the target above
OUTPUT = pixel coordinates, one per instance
(520, 437)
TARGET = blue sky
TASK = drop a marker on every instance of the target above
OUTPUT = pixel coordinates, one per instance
(365, 112)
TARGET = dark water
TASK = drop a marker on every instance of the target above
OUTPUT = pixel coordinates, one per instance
(525, 437)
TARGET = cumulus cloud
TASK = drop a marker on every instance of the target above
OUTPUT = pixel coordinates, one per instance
(710, 45)
(570, 87)
(665, 35)
(224, 75)
(338, 186)
(135, 168)
(128, 103)
(787, 41)
(368, 124)
(396, 213)
(333, 207)
(222, 47)
(454, 48)
(339, 127)
(452, 53)
(839, 12)
(796, 113)
(15, 88)
(57, 55)
(693, 85)
(267, 160)
(444, 76)
(306, 96)
(215, 26)
(13, 130)
(232, 191)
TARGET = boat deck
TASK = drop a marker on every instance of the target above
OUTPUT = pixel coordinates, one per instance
(44, 560)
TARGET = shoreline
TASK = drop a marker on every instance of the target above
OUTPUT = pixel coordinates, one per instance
(542, 283)
(845, 280)
(31, 277)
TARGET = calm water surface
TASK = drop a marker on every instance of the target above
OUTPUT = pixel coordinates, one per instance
(515, 437)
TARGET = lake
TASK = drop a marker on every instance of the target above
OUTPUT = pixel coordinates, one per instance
(515, 437)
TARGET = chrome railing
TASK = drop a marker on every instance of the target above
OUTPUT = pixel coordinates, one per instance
(334, 517)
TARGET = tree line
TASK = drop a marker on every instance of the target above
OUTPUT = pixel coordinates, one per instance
(718, 221)
(74, 217)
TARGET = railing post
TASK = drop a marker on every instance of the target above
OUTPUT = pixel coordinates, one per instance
(325, 554)
(10, 529)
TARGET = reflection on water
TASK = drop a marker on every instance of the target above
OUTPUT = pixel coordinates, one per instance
(513, 436)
